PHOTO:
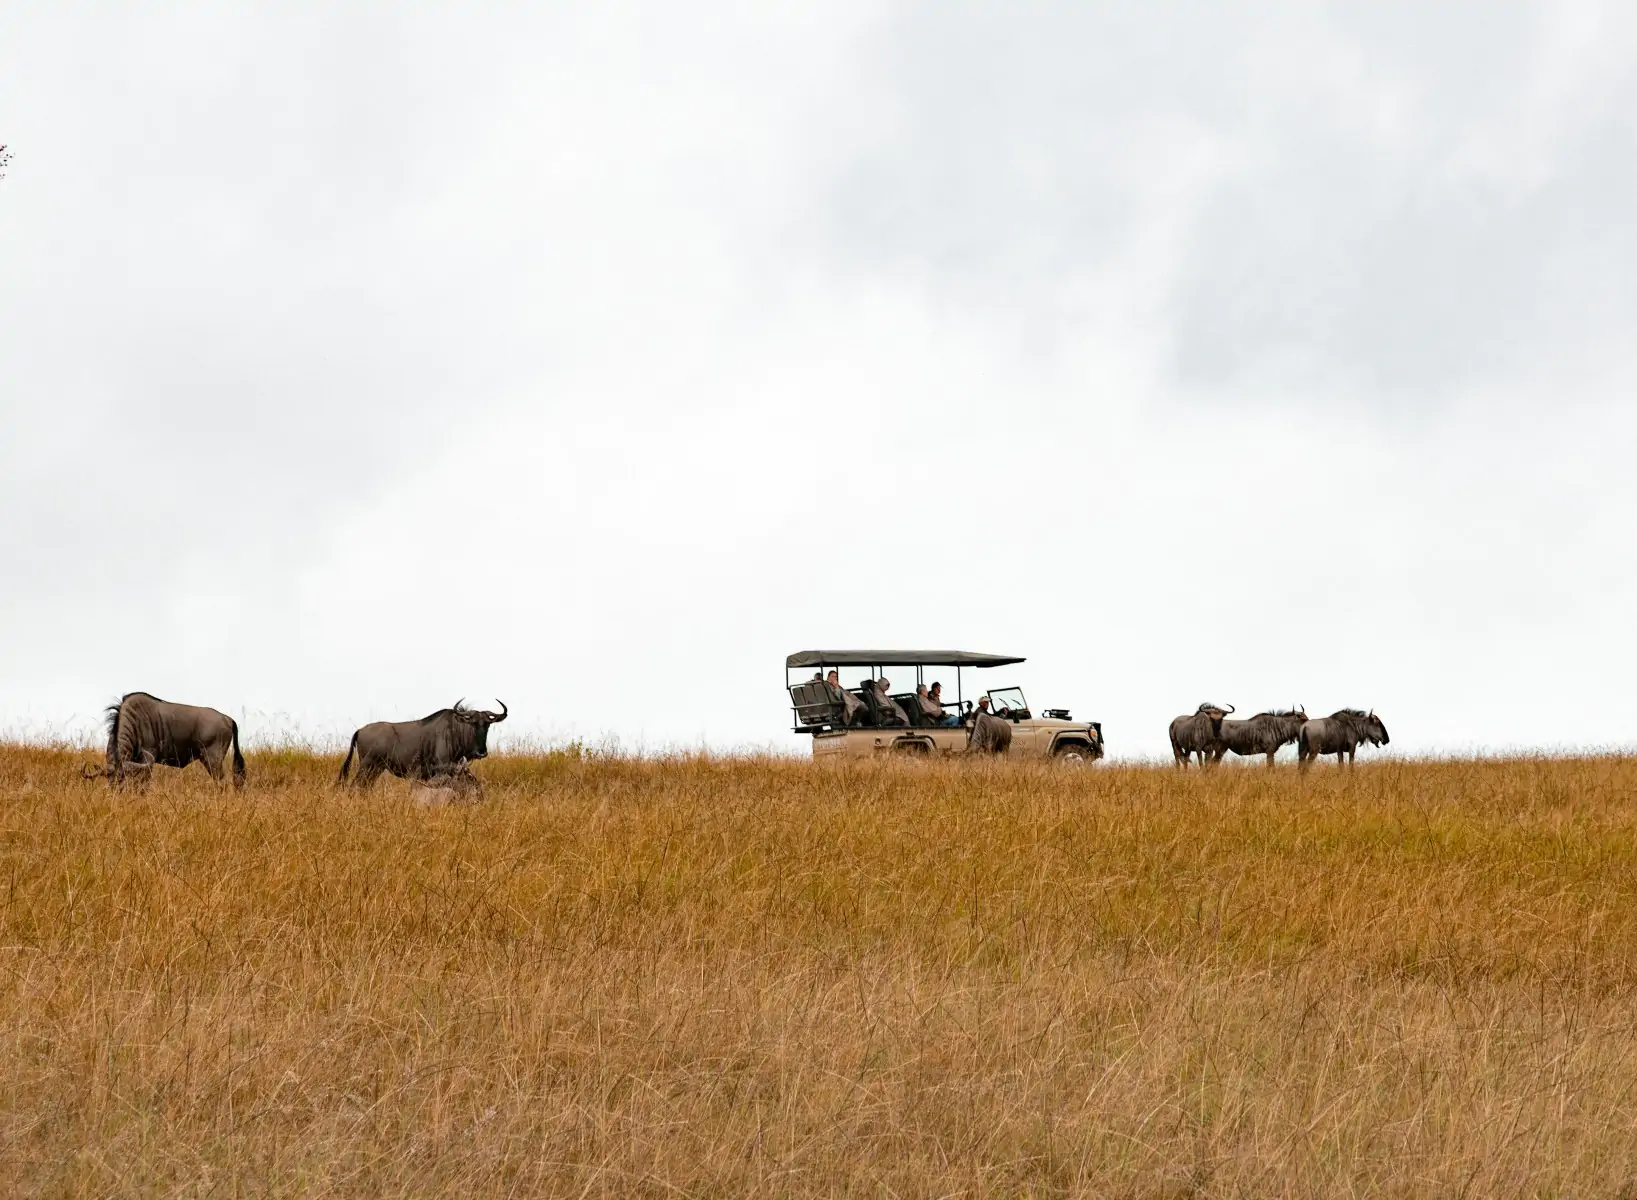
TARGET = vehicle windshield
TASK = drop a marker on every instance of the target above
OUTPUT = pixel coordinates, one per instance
(1011, 698)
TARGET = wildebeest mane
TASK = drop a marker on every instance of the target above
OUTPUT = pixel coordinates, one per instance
(1358, 714)
(111, 719)
(1277, 712)
(459, 709)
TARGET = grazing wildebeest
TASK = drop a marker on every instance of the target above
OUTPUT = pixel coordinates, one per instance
(1340, 734)
(423, 749)
(456, 786)
(988, 734)
(1262, 734)
(1197, 734)
(145, 731)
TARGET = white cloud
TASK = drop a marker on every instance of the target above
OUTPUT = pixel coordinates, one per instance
(360, 358)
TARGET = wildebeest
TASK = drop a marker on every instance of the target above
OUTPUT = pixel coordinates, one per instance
(145, 731)
(988, 734)
(1262, 734)
(423, 749)
(456, 786)
(1340, 734)
(1197, 734)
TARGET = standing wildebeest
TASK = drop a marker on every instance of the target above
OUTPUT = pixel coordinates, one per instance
(1340, 734)
(420, 749)
(1262, 734)
(1197, 734)
(988, 734)
(145, 731)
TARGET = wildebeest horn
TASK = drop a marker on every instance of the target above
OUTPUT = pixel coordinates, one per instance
(503, 711)
(90, 772)
(1229, 708)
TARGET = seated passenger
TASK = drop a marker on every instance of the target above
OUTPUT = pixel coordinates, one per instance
(892, 713)
(925, 709)
(932, 704)
(851, 705)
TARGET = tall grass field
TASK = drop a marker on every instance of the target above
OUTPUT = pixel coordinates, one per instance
(754, 977)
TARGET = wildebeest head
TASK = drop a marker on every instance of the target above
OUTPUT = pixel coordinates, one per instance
(1365, 725)
(1215, 712)
(477, 722)
(139, 770)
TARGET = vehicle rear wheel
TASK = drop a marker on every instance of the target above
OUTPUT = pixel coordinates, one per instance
(1074, 754)
(912, 747)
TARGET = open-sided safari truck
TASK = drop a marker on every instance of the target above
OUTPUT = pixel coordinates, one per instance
(863, 727)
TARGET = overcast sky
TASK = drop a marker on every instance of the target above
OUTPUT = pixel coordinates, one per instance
(358, 357)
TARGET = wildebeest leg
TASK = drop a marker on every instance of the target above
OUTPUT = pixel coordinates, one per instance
(213, 764)
(367, 773)
(1271, 753)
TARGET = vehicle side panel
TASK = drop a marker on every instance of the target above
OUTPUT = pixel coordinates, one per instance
(1030, 739)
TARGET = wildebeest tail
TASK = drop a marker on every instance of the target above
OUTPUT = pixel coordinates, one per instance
(346, 763)
(112, 763)
(238, 758)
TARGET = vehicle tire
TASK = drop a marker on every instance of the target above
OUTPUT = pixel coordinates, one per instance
(1074, 754)
(912, 746)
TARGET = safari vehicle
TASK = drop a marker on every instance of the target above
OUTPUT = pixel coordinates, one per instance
(822, 712)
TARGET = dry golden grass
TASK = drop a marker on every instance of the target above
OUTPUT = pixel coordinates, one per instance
(746, 977)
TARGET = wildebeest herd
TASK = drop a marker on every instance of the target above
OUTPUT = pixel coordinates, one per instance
(1208, 733)
(145, 732)
(434, 752)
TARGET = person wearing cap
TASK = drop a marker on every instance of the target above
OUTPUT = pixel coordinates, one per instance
(934, 707)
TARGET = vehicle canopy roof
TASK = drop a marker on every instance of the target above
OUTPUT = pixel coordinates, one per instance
(896, 658)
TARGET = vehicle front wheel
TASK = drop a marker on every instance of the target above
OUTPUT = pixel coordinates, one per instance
(1074, 754)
